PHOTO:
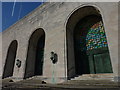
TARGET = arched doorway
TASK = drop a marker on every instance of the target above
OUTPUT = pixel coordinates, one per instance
(87, 48)
(35, 55)
(90, 46)
(10, 59)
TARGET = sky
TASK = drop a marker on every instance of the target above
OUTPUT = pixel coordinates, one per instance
(14, 11)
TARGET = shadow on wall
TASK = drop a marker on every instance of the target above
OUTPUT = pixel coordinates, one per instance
(35, 55)
(10, 59)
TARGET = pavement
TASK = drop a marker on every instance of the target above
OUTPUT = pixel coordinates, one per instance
(34, 84)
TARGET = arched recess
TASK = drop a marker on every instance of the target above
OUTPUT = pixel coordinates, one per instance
(82, 26)
(35, 54)
(10, 59)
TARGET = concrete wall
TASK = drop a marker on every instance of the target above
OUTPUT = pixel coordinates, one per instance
(52, 18)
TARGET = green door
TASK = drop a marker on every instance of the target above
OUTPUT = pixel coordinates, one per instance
(102, 63)
(91, 48)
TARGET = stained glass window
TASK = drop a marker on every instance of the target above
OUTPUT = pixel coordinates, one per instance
(90, 34)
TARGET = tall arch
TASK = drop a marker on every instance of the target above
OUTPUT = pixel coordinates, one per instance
(35, 54)
(10, 59)
(80, 58)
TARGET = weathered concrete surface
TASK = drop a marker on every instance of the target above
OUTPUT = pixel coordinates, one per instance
(35, 83)
(52, 18)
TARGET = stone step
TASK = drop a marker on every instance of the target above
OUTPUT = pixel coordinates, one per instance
(94, 77)
(98, 75)
(91, 83)
(35, 78)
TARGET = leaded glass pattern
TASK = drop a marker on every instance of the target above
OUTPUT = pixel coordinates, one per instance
(90, 34)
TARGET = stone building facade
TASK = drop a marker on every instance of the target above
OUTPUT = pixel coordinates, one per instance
(43, 43)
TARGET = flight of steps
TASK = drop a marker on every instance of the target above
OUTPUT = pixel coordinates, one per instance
(94, 77)
(34, 78)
